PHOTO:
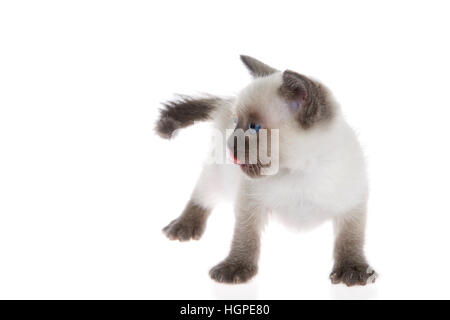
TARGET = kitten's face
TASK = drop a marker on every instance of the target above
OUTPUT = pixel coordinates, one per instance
(259, 111)
(274, 111)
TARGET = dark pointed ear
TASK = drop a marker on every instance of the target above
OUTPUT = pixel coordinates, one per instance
(256, 67)
(294, 88)
(305, 98)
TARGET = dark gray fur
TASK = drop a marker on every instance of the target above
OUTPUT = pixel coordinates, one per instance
(350, 264)
(190, 224)
(241, 263)
(184, 112)
(256, 67)
(314, 107)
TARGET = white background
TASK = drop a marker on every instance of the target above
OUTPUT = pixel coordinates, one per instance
(86, 186)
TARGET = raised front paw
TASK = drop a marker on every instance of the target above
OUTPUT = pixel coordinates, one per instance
(233, 271)
(353, 274)
(185, 229)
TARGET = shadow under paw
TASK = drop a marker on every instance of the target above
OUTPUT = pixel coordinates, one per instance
(184, 229)
(353, 274)
(233, 272)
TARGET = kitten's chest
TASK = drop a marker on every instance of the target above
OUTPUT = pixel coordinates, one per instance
(287, 192)
(296, 201)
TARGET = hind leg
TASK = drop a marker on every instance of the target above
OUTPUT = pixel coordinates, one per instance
(209, 190)
(350, 264)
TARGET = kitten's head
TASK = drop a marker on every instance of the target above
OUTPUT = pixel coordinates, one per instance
(285, 103)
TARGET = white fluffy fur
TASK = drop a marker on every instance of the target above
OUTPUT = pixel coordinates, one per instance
(322, 170)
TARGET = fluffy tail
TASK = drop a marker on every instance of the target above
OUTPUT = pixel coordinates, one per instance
(184, 111)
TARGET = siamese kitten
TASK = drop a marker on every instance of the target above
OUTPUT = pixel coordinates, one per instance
(313, 170)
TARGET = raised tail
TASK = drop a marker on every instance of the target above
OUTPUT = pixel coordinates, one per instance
(185, 111)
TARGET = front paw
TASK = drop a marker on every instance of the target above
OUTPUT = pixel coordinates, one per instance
(233, 272)
(353, 274)
(184, 229)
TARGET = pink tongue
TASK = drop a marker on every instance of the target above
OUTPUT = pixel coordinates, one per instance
(233, 157)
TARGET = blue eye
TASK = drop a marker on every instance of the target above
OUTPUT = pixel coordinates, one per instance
(254, 126)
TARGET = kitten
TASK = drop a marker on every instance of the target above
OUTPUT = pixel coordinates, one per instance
(318, 170)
